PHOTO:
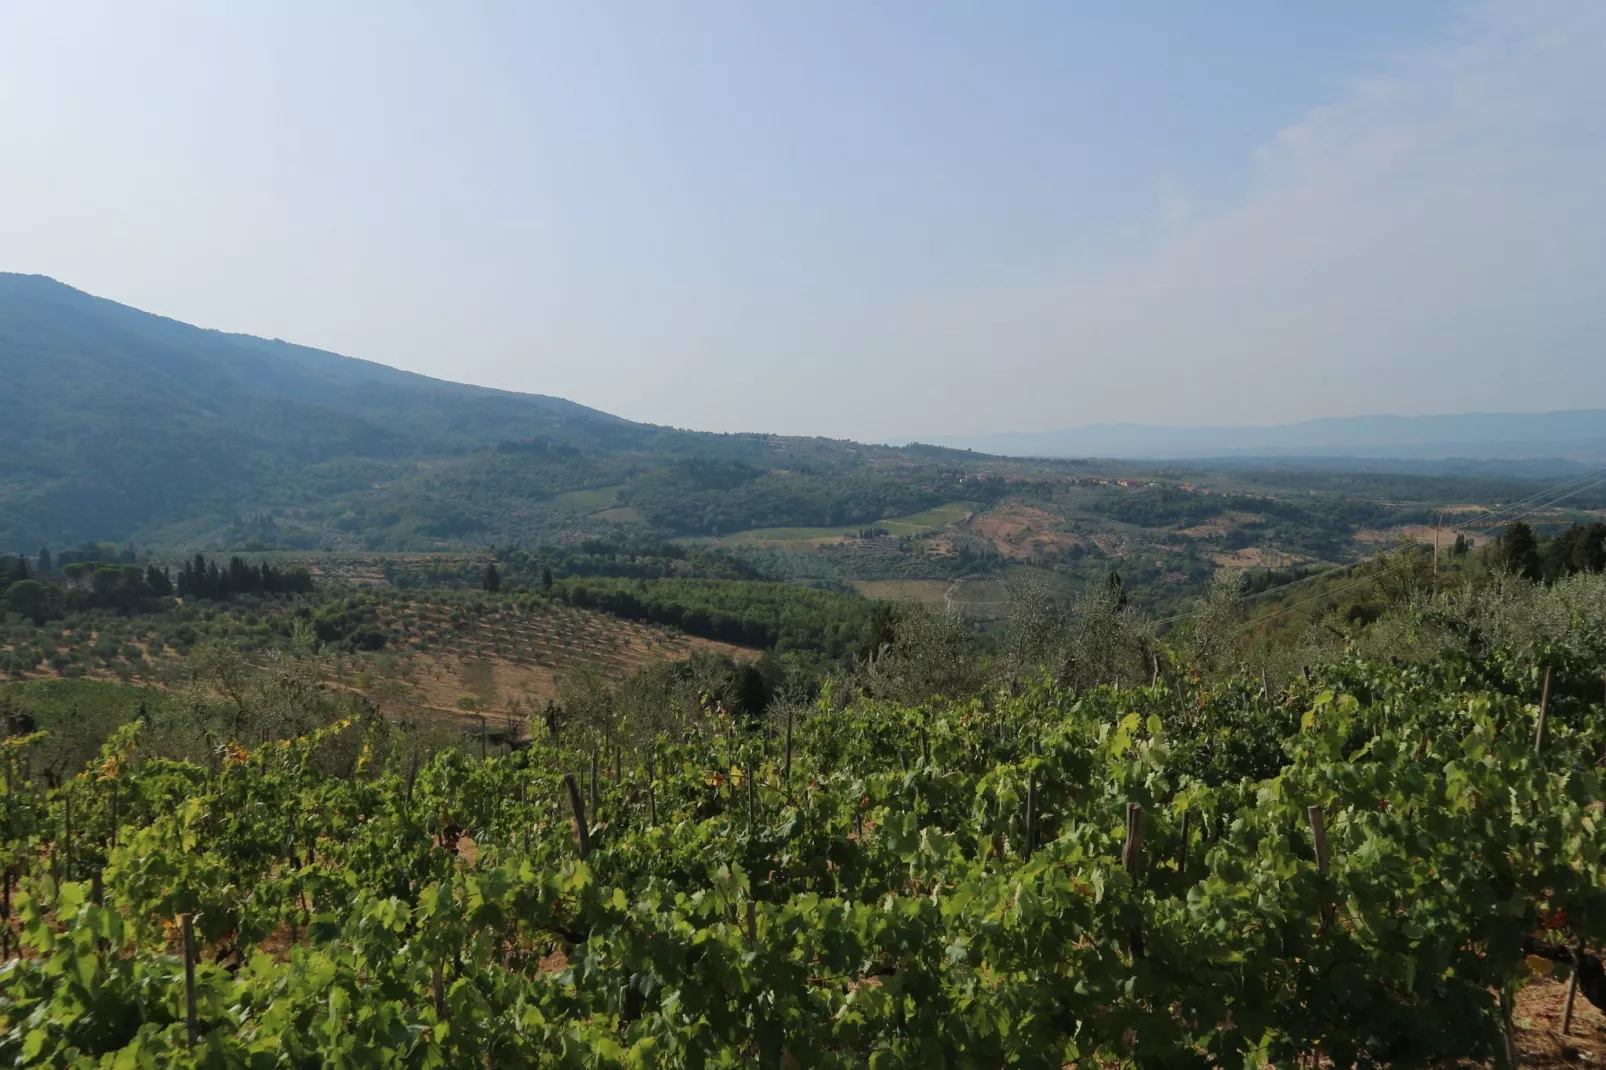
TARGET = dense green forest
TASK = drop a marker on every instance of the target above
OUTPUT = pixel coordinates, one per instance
(710, 497)
(86, 583)
(1529, 554)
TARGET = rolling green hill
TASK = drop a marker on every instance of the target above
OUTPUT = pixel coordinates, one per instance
(121, 424)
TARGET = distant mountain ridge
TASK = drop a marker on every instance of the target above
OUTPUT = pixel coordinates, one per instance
(1574, 434)
(118, 423)
(43, 318)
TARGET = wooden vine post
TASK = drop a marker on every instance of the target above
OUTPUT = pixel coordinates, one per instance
(1132, 862)
(789, 748)
(1182, 854)
(582, 832)
(66, 835)
(187, 929)
(595, 808)
(1318, 833)
(652, 797)
(1572, 992)
(1539, 745)
(1132, 851)
(1544, 713)
(1031, 813)
(97, 896)
(1508, 1027)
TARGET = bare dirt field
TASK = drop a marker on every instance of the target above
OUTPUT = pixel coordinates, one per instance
(1021, 531)
(1421, 533)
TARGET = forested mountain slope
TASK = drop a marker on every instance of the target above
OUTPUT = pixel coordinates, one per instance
(119, 423)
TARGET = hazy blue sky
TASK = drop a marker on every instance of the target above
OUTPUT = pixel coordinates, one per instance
(865, 219)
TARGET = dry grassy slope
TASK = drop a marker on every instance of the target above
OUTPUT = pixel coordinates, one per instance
(1020, 531)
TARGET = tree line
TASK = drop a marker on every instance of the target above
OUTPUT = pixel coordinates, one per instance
(126, 588)
(707, 497)
(782, 617)
(1524, 552)
(81, 586)
(201, 578)
(13, 570)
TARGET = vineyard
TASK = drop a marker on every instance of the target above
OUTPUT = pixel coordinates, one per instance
(549, 635)
(484, 655)
(442, 647)
(1365, 866)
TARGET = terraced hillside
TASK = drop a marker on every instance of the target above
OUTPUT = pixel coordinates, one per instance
(496, 657)
(446, 654)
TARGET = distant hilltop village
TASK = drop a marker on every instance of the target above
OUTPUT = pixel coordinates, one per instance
(1081, 481)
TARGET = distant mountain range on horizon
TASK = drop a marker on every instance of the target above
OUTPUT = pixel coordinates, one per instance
(120, 424)
(1571, 434)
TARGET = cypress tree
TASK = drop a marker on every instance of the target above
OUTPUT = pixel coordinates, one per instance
(158, 582)
(1519, 551)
